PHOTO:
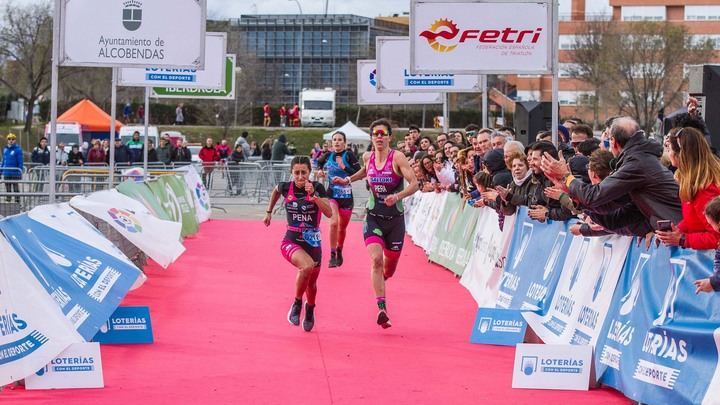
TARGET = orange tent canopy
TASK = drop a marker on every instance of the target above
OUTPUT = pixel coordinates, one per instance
(90, 116)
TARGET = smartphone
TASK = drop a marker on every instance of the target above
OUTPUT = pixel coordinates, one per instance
(664, 225)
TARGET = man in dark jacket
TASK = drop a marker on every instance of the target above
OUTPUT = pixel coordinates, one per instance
(122, 156)
(41, 153)
(166, 152)
(638, 174)
(280, 149)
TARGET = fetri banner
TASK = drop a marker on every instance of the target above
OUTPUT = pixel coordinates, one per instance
(480, 37)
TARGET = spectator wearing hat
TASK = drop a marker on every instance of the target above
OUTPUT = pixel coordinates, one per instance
(12, 165)
(280, 149)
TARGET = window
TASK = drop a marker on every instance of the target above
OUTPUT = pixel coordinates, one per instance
(598, 10)
(698, 39)
(702, 13)
(641, 70)
(643, 13)
(527, 95)
(565, 10)
(568, 69)
(575, 97)
(567, 42)
(317, 105)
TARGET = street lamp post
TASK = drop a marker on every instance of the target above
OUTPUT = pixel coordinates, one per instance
(302, 29)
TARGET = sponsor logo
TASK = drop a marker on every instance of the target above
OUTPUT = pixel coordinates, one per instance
(125, 219)
(68, 364)
(202, 196)
(132, 15)
(678, 267)
(11, 323)
(611, 357)
(441, 34)
(444, 36)
(528, 365)
(656, 374)
(488, 324)
(484, 325)
(630, 299)
(665, 347)
(373, 80)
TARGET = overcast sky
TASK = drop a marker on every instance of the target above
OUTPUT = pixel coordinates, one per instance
(234, 8)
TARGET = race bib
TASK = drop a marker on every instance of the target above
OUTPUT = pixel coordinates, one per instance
(311, 237)
(342, 191)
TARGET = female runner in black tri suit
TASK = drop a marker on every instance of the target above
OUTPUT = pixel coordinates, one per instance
(304, 203)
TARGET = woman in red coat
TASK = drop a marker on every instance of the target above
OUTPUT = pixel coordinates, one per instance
(698, 174)
(209, 155)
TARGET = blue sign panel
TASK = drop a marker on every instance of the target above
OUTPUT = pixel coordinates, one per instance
(127, 325)
(495, 326)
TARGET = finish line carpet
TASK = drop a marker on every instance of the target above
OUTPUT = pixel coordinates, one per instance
(221, 335)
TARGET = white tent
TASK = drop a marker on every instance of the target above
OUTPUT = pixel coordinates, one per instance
(355, 135)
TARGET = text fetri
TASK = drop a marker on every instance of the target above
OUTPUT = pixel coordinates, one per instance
(507, 36)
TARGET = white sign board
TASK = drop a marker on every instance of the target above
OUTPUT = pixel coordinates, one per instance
(367, 89)
(481, 37)
(226, 93)
(212, 77)
(79, 366)
(393, 72)
(123, 33)
(557, 367)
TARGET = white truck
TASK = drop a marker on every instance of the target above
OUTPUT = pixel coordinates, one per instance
(317, 107)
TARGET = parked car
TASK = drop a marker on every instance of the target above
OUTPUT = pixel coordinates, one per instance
(195, 151)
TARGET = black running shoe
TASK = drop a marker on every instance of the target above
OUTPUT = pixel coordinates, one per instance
(294, 314)
(309, 320)
(383, 319)
(333, 260)
(339, 260)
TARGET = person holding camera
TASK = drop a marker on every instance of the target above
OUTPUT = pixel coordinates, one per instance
(698, 175)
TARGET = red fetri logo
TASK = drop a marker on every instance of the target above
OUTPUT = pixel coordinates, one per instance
(444, 35)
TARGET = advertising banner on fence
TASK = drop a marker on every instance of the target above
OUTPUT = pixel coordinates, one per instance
(159, 239)
(132, 33)
(174, 196)
(33, 330)
(584, 291)
(225, 93)
(211, 77)
(368, 95)
(535, 260)
(393, 72)
(480, 37)
(87, 283)
(139, 191)
(456, 237)
(484, 271)
(660, 342)
(425, 235)
(198, 191)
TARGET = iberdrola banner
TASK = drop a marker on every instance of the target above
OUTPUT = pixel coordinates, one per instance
(58, 245)
(448, 216)
(584, 291)
(33, 330)
(159, 239)
(139, 191)
(484, 271)
(456, 238)
(425, 235)
(175, 202)
(660, 341)
(535, 260)
(199, 192)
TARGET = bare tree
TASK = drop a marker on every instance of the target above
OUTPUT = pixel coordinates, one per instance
(637, 65)
(591, 61)
(649, 64)
(26, 52)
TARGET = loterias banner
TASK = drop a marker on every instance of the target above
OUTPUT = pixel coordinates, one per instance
(87, 283)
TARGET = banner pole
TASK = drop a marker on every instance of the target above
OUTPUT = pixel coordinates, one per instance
(555, 79)
(147, 120)
(483, 81)
(53, 101)
(446, 113)
(113, 103)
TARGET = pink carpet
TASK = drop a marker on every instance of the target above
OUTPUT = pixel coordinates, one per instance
(221, 335)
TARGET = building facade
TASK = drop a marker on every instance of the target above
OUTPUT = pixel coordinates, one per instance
(700, 17)
(308, 51)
